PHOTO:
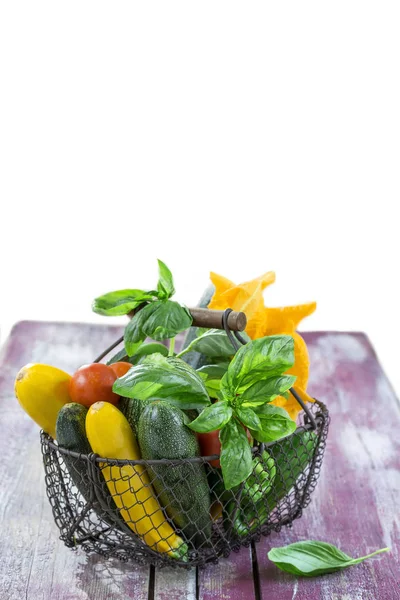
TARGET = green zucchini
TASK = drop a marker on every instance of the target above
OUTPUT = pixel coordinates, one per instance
(182, 488)
(132, 409)
(71, 435)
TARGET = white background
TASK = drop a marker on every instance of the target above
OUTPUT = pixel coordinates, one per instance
(235, 137)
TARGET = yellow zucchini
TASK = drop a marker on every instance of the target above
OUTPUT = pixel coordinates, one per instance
(42, 391)
(110, 436)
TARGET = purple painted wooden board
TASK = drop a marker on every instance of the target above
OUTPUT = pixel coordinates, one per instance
(355, 505)
(34, 564)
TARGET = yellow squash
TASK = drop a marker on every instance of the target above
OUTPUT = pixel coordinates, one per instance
(41, 391)
(110, 436)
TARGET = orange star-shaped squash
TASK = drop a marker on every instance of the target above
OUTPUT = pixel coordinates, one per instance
(262, 321)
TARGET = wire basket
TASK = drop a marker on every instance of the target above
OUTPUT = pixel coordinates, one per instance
(172, 521)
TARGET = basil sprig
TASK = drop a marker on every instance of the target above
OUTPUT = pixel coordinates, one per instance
(120, 302)
(212, 343)
(165, 378)
(160, 318)
(165, 286)
(313, 558)
(143, 350)
(254, 378)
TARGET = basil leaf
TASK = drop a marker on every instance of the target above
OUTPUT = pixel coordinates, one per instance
(120, 302)
(146, 349)
(165, 286)
(213, 387)
(143, 350)
(120, 356)
(213, 371)
(236, 459)
(134, 334)
(211, 418)
(266, 390)
(158, 377)
(275, 423)
(257, 360)
(211, 375)
(213, 343)
(313, 558)
(248, 417)
(166, 320)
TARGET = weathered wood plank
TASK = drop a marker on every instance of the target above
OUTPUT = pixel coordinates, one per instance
(231, 578)
(175, 584)
(356, 503)
(354, 506)
(34, 564)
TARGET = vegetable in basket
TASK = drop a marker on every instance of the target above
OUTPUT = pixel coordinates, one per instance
(42, 390)
(291, 457)
(253, 379)
(181, 488)
(110, 436)
(71, 435)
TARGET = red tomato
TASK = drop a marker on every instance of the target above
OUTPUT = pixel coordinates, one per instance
(120, 368)
(209, 445)
(93, 383)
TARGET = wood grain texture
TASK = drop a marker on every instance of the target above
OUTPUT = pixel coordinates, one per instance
(355, 506)
(175, 584)
(34, 564)
(230, 579)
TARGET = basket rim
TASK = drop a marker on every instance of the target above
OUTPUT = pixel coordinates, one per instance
(92, 457)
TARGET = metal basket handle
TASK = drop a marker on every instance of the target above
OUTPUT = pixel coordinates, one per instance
(202, 317)
(229, 320)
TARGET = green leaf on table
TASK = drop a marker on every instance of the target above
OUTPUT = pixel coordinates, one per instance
(267, 390)
(257, 360)
(313, 558)
(212, 417)
(165, 285)
(248, 417)
(166, 320)
(275, 423)
(236, 458)
(158, 377)
(213, 343)
(120, 302)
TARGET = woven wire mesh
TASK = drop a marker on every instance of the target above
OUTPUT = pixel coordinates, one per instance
(177, 512)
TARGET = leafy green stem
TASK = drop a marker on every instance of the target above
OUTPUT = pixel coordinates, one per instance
(182, 352)
(373, 554)
(171, 347)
